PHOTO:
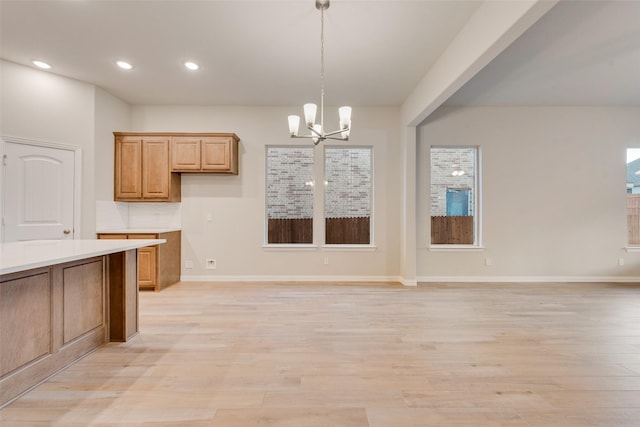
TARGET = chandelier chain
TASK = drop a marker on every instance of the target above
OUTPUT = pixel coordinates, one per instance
(322, 68)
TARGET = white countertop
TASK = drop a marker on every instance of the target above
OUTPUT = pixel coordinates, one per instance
(21, 256)
(137, 230)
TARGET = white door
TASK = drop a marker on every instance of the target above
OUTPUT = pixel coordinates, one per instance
(38, 193)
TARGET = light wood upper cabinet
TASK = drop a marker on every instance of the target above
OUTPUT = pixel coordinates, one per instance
(205, 153)
(185, 154)
(156, 179)
(142, 169)
(218, 155)
(128, 168)
(148, 165)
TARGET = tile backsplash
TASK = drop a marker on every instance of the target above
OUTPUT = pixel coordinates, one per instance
(111, 215)
(120, 215)
(155, 215)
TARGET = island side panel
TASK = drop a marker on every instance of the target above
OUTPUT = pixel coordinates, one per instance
(169, 259)
(36, 315)
(25, 316)
(123, 295)
(83, 294)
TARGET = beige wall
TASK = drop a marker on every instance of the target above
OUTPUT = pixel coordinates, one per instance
(552, 183)
(235, 236)
(111, 114)
(553, 192)
(45, 107)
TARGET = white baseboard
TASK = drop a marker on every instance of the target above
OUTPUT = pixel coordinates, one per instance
(422, 279)
(387, 279)
(406, 282)
(529, 279)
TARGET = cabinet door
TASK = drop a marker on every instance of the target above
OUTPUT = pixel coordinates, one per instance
(217, 154)
(147, 267)
(185, 154)
(156, 176)
(147, 262)
(128, 164)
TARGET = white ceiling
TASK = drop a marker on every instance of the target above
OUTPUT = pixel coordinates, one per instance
(251, 52)
(266, 52)
(579, 53)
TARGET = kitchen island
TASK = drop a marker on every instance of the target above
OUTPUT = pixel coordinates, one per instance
(59, 300)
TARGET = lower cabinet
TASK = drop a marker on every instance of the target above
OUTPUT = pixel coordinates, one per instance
(158, 266)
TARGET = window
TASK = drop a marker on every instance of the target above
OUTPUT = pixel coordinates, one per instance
(633, 196)
(454, 196)
(347, 200)
(289, 195)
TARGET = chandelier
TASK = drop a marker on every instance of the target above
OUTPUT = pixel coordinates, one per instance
(317, 132)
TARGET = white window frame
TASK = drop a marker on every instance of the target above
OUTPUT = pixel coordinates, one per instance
(477, 203)
(629, 247)
(364, 246)
(285, 246)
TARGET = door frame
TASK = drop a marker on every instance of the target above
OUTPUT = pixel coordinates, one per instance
(77, 177)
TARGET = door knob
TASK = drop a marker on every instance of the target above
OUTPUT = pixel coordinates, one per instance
(67, 231)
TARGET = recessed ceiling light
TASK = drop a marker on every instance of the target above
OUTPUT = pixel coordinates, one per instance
(124, 65)
(191, 65)
(41, 64)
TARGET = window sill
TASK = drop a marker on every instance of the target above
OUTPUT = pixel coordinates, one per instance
(289, 247)
(347, 248)
(455, 248)
(632, 248)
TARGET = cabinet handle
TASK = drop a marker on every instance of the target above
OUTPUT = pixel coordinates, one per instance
(67, 231)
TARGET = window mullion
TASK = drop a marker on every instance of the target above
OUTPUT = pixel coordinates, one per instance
(318, 196)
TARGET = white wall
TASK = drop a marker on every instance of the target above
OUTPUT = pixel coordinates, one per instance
(553, 192)
(111, 115)
(42, 106)
(553, 199)
(235, 237)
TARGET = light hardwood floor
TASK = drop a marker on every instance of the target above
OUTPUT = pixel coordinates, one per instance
(343, 354)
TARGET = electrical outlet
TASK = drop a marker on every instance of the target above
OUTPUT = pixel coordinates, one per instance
(188, 264)
(326, 260)
(620, 262)
(487, 262)
(211, 263)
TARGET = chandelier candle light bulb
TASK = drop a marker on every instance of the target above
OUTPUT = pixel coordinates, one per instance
(294, 124)
(316, 130)
(310, 114)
